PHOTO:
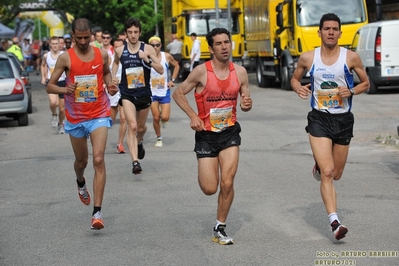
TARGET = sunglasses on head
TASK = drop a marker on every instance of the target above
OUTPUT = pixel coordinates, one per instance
(155, 45)
(106, 37)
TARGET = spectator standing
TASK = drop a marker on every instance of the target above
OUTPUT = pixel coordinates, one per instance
(16, 49)
(195, 54)
(174, 48)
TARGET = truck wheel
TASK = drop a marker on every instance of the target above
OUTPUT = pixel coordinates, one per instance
(373, 87)
(285, 78)
(263, 81)
(259, 77)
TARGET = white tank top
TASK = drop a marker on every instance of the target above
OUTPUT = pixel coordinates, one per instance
(159, 83)
(324, 82)
(50, 61)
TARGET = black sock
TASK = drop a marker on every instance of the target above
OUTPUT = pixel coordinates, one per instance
(81, 184)
(96, 209)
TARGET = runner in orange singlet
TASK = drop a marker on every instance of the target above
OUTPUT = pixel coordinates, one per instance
(218, 85)
(87, 109)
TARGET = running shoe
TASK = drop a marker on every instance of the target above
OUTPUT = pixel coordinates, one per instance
(140, 151)
(338, 230)
(97, 221)
(54, 121)
(136, 168)
(163, 123)
(158, 144)
(220, 236)
(61, 129)
(120, 148)
(316, 172)
(84, 195)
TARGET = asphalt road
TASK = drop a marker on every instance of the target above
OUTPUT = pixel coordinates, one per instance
(161, 217)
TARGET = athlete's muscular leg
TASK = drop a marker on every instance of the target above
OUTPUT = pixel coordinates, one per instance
(129, 110)
(323, 153)
(98, 142)
(141, 120)
(156, 118)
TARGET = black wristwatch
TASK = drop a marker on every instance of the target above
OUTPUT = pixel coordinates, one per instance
(352, 90)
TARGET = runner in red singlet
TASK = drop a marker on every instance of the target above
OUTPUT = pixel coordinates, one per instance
(87, 109)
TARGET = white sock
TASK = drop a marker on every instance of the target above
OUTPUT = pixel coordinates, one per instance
(159, 138)
(332, 217)
(219, 223)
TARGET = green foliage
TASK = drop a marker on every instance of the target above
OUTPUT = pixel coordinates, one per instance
(111, 14)
(8, 10)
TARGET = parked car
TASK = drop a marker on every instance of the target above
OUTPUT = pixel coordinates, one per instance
(14, 98)
(378, 48)
(25, 77)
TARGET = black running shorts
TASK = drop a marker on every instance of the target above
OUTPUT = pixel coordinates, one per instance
(141, 103)
(209, 144)
(337, 127)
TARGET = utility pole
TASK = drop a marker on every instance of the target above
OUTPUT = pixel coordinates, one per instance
(156, 20)
(217, 13)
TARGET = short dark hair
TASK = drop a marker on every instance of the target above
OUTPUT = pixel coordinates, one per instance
(329, 17)
(193, 34)
(106, 32)
(214, 32)
(81, 24)
(130, 22)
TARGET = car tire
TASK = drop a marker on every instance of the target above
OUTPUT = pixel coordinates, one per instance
(30, 109)
(23, 119)
(373, 87)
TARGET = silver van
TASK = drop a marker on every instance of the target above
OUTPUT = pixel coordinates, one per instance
(377, 44)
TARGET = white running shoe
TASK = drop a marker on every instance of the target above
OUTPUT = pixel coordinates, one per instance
(54, 121)
(61, 129)
(159, 144)
(220, 236)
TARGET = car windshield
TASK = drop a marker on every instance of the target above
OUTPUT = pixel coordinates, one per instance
(5, 69)
(203, 23)
(308, 11)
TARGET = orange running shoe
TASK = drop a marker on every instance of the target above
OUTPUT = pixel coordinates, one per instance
(120, 148)
(97, 221)
(84, 195)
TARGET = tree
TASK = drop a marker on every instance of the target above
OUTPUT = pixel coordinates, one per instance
(111, 14)
(8, 10)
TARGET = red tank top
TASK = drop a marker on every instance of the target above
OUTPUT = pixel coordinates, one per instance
(35, 49)
(217, 102)
(90, 101)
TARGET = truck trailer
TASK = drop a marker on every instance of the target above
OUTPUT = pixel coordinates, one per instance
(277, 32)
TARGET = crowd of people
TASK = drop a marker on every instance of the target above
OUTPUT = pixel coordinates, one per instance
(91, 77)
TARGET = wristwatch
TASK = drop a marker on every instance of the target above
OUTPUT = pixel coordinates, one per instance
(173, 80)
(352, 90)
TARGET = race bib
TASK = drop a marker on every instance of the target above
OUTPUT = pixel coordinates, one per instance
(221, 118)
(135, 77)
(329, 99)
(87, 90)
(158, 82)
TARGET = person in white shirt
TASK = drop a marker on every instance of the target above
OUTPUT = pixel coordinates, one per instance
(174, 48)
(56, 100)
(160, 88)
(195, 51)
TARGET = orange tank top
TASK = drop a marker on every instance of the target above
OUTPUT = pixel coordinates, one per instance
(217, 102)
(90, 101)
